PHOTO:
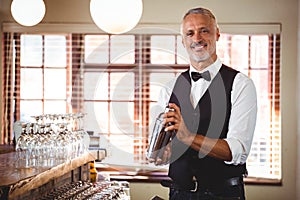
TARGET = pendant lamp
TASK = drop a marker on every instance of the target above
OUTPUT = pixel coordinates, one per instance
(28, 12)
(116, 16)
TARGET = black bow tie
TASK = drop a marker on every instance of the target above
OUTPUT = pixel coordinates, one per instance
(196, 76)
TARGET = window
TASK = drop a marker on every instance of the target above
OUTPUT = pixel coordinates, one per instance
(115, 80)
(122, 86)
(43, 72)
(258, 57)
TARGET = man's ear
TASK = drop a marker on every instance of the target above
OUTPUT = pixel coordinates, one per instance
(218, 34)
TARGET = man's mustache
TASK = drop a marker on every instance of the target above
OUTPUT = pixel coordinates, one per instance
(197, 44)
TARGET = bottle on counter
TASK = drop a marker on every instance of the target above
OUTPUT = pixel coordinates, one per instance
(93, 172)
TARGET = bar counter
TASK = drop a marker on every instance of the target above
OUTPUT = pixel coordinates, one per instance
(18, 183)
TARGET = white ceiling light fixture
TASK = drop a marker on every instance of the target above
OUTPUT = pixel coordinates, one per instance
(28, 12)
(116, 16)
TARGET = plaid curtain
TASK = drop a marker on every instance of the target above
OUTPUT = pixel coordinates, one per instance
(10, 85)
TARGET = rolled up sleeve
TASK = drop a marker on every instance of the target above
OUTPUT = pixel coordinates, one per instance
(242, 119)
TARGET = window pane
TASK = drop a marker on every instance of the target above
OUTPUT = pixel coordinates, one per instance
(182, 56)
(96, 49)
(261, 80)
(115, 129)
(95, 86)
(263, 104)
(55, 84)
(257, 163)
(239, 52)
(31, 50)
(122, 86)
(54, 107)
(30, 108)
(120, 149)
(234, 51)
(121, 117)
(259, 51)
(31, 83)
(122, 49)
(163, 49)
(157, 82)
(97, 117)
(154, 112)
(55, 51)
(223, 48)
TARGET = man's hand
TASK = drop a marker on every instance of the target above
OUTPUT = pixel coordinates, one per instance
(175, 117)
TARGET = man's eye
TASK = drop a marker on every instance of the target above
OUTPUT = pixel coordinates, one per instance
(204, 31)
(189, 34)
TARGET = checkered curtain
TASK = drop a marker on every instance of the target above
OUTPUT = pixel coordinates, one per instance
(10, 85)
(77, 54)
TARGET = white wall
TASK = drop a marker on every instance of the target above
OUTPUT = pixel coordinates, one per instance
(230, 11)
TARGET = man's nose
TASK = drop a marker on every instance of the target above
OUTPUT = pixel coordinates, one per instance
(197, 37)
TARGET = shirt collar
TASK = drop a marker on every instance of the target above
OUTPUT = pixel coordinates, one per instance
(213, 68)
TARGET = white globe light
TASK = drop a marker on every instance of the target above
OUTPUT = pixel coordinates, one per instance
(116, 16)
(28, 12)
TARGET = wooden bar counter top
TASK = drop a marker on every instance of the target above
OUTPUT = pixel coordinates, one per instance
(32, 183)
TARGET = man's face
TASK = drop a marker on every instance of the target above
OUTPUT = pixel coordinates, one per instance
(199, 37)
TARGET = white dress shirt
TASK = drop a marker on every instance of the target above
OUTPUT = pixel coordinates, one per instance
(243, 111)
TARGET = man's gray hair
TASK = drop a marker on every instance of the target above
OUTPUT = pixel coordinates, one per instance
(202, 11)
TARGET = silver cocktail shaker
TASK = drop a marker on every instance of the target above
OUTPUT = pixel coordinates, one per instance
(160, 138)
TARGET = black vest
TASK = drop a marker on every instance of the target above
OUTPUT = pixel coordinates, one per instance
(209, 118)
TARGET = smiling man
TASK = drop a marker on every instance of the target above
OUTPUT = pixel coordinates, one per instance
(215, 115)
(200, 35)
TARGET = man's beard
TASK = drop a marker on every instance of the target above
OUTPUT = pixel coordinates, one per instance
(204, 54)
(200, 58)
